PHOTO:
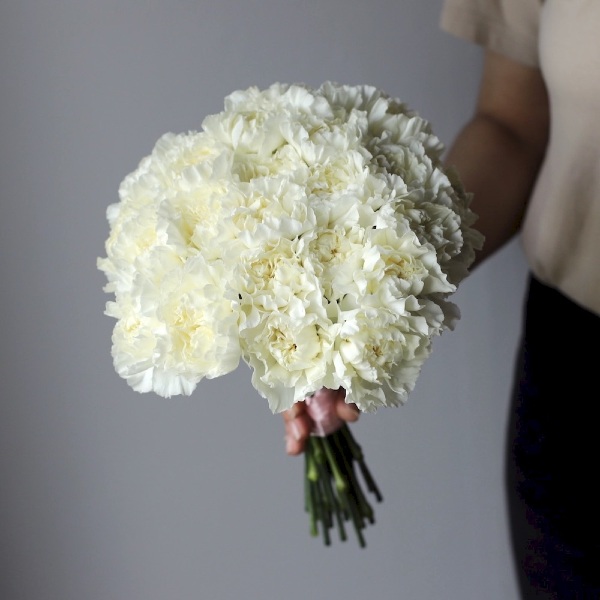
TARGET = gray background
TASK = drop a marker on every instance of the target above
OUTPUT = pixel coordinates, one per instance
(107, 494)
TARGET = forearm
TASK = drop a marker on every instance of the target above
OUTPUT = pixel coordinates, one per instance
(499, 152)
(499, 169)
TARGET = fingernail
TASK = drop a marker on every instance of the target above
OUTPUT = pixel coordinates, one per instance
(289, 442)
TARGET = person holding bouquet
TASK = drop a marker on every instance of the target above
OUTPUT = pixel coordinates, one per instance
(530, 157)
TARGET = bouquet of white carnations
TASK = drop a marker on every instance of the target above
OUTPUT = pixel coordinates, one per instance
(313, 233)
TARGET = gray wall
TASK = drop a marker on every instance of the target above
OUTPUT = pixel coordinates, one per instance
(107, 494)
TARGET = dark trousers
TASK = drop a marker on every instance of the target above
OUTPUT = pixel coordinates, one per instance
(553, 462)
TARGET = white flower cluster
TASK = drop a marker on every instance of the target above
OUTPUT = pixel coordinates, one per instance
(313, 233)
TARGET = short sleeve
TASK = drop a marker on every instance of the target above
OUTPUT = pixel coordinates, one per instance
(509, 27)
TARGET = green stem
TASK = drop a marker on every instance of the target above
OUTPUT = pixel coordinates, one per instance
(358, 456)
(360, 509)
(331, 501)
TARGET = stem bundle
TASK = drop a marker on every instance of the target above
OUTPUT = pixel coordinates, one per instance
(333, 491)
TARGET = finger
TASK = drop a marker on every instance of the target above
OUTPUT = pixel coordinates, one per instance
(296, 433)
(294, 447)
(297, 409)
(347, 412)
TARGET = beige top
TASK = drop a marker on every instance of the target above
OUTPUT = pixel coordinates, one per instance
(561, 232)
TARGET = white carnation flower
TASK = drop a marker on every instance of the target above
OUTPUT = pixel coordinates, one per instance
(272, 208)
(176, 327)
(373, 345)
(277, 278)
(290, 356)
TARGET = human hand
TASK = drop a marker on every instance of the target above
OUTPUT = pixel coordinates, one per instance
(299, 424)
